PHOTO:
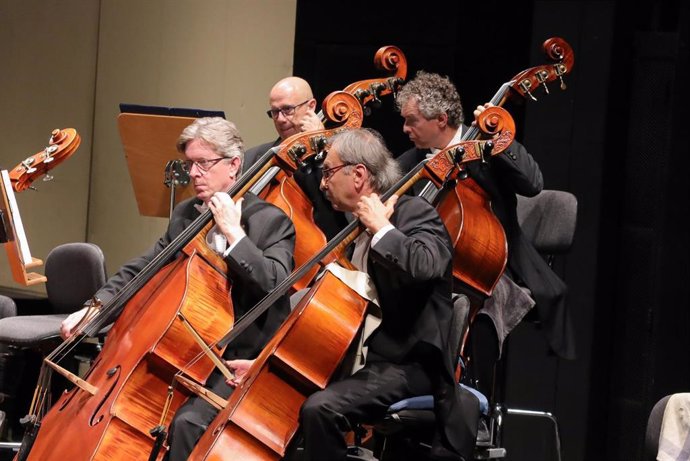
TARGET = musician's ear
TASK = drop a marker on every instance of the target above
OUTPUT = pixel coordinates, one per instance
(442, 120)
(360, 175)
(235, 165)
(312, 104)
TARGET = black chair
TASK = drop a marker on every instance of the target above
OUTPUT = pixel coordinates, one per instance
(8, 308)
(74, 272)
(549, 221)
(407, 429)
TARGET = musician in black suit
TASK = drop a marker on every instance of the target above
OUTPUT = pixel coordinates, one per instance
(292, 109)
(433, 119)
(407, 253)
(256, 240)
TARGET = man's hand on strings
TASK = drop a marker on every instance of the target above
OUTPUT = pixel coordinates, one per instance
(227, 213)
(68, 325)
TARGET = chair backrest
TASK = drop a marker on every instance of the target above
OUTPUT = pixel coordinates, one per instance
(75, 271)
(548, 220)
(8, 308)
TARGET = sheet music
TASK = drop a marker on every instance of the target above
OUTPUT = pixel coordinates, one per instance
(24, 252)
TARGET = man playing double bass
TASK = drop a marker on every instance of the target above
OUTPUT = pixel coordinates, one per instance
(407, 253)
(292, 108)
(256, 240)
(433, 119)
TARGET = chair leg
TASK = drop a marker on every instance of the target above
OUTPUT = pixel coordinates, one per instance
(8, 450)
(357, 452)
(541, 414)
(492, 449)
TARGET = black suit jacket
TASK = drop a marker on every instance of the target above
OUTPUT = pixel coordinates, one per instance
(255, 153)
(412, 271)
(256, 264)
(516, 172)
(329, 220)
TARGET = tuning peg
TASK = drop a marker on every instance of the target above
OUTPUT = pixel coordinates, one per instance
(48, 153)
(27, 165)
(319, 143)
(458, 155)
(542, 76)
(561, 71)
(296, 152)
(361, 94)
(487, 148)
(320, 157)
(396, 83)
(376, 90)
(526, 85)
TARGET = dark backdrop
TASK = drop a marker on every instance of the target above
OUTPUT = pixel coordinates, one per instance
(613, 138)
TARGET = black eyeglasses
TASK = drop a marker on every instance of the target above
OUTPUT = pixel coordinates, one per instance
(204, 164)
(287, 111)
(329, 172)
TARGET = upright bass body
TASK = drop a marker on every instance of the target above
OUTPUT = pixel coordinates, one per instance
(479, 241)
(286, 194)
(145, 348)
(262, 415)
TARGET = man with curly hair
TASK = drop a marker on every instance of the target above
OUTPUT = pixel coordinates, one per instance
(433, 119)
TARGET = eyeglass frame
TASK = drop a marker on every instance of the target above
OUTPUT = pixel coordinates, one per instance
(287, 111)
(327, 173)
(188, 164)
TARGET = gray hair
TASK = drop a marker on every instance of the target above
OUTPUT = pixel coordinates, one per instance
(367, 147)
(222, 135)
(435, 95)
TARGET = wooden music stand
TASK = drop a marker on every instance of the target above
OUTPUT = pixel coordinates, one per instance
(149, 144)
(17, 247)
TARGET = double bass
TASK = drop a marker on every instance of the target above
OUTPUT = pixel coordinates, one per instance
(61, 145)
(260, 419)
(478, 237)
(279, 185)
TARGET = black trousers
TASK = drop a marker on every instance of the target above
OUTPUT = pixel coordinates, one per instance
(193, 418)
(362, 397)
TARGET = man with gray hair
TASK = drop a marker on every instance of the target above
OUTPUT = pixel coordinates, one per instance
(407, 253)
(255, 238)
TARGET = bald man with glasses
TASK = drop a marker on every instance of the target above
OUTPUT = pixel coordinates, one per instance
(292, 109)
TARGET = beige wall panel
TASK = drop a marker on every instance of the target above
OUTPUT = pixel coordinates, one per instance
(48, 54)
(63, 58)
(219, 55)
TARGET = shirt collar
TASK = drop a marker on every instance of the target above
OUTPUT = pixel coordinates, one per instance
(457, 137)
